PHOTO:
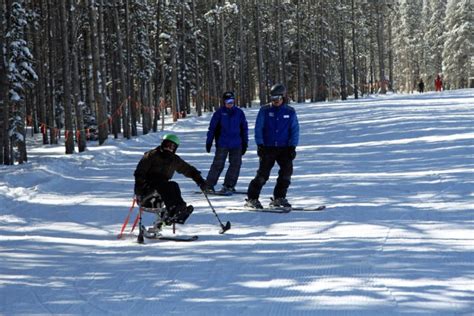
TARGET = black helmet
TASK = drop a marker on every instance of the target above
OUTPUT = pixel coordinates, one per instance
(278, 89)
(228, 95)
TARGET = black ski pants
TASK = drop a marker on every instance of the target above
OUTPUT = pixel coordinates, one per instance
(171, 195)
(232, 174)
(270, 155)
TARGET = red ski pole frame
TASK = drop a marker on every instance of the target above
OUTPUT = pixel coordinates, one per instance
(119, 236)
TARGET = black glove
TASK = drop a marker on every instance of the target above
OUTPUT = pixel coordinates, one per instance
(260, 150)
(208, 147)
(292, 152)
(244, 148)
(204, 186)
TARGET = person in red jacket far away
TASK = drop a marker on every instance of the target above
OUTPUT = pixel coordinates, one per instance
(438, 83)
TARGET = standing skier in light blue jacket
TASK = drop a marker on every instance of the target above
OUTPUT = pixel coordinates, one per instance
(276, 135)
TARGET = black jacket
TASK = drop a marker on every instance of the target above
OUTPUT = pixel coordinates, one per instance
(157, 167)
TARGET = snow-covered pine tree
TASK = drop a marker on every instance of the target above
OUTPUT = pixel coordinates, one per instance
(434, 30)
(20, 77)
(408, 42)
(4, 105)
(457, 44)
(143, 62)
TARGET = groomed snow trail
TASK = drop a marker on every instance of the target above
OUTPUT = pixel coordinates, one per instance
(396, 173)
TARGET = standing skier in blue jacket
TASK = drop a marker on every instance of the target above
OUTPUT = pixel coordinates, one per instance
(229, 128)
(276, 135)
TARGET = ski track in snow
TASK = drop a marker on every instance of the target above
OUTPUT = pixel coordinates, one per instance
(395, 171)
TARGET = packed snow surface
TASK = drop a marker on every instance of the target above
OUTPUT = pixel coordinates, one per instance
(396, 173)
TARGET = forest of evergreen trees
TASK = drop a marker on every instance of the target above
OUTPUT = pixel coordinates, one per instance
(93, 69)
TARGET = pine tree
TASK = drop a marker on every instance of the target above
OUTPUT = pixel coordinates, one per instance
(20, 77)
(457, 44)
(434, 39)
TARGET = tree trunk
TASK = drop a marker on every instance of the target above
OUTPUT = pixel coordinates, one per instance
(260, 63)
(99, 95)
(224, 84)
(76, 89)
(123, 99)
(301, 94)
(4, 107)
(354, 53)
(197, 96)
(40, 54)
(212, 75)
(66, 71)
(242, 95)
(53, 131)
(381, 50)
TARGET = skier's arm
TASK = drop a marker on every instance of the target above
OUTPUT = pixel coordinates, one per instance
(244, 133)
(211, 133)
(189, 171)
(259, 123)
(294, 131)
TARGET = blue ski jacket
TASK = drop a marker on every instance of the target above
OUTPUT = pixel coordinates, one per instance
(277, 126)
(229, 127)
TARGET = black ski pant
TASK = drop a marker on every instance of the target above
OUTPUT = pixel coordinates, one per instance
(268, 158)
(232, 174)
(171, 196)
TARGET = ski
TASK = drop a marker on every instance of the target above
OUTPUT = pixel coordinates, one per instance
(156, 235)
(280, 210)
(263, 210)
(177, 238)
(216, 193)
(170, 238)
(309, 209)
(221, 193)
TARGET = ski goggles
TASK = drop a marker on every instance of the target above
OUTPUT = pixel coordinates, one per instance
(229, 101)
(170, 145)
(276, 97)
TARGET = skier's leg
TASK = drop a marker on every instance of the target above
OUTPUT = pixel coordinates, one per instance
(263, 173)
(171, 195)
(217, 165)
(284, 175)
(235, 162)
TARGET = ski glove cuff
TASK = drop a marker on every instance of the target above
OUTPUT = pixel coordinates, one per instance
(292, 152)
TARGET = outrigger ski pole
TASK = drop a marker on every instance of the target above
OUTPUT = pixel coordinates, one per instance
(225, 227)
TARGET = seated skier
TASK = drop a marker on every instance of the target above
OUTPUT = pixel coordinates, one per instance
(154, 172)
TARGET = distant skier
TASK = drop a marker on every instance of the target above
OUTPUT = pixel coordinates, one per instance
(421, 86)
(229, 128)
(276, 135)
(438, 83)
(154, 172)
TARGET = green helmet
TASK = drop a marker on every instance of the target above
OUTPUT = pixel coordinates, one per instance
(172, 138)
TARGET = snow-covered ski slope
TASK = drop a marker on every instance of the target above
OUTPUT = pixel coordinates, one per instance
(397, 175)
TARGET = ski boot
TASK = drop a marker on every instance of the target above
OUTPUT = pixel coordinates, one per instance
(280, 203)
(253, 203)
(227, 190)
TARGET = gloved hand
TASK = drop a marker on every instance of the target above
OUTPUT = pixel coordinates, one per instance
(244, 148)
(204, 186)
(260, 150)
(208, 147)
(292, 152)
